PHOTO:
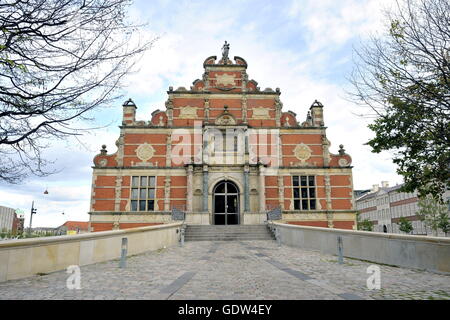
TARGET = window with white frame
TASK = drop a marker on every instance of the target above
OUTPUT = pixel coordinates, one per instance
(143, 193)
(304, 192)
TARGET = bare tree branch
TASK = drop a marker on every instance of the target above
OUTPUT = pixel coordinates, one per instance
(59, 59)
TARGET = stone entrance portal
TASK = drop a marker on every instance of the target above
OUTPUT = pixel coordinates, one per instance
(226, 203)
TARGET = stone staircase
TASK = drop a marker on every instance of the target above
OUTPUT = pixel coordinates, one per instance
(227, 233)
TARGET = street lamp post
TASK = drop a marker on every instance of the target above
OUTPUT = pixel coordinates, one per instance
(33, 211)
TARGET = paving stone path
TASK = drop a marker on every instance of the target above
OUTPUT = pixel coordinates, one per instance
(232, 270)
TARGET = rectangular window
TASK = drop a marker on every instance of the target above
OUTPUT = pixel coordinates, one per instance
(304, 192)
(225, 141)
(142, 193)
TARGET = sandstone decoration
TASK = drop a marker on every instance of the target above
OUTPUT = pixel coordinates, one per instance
(103, 163)
(343, 162)
(225, 79)
(260, 113)
(226, 119)
(145, 152)
(302, 152)
(188, 112)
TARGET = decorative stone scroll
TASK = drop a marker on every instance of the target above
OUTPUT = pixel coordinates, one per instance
(145, 152)
(302, 152)
(274, 214)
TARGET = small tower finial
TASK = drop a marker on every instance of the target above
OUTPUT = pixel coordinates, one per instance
(341, 150)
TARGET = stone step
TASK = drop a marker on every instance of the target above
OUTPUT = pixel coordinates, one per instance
(226, 230)
(218, 238)
(221, 228)
(230, 239)
(227, 233)
(229, 236)
(227, 226)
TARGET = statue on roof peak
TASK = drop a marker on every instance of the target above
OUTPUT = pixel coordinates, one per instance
(225, 50)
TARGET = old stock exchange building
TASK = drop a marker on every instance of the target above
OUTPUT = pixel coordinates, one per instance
(224, 152)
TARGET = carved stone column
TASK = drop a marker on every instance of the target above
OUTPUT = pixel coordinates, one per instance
(118, 193)
(278, 106)
(205, 188)
(244, 81)
(244, 109)
(169, 107)
(262, 189)
(205, 78)
(169, 150)
(328, 200)
(280, 151)
(120, 147)
(281, 192)
(190, 187)
(246, 189)
(167, 194)
(326, 152)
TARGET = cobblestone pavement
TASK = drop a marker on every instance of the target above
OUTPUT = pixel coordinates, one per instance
(232, 270)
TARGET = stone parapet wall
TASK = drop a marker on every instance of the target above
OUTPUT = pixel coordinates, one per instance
(418, 252)
(27, 257)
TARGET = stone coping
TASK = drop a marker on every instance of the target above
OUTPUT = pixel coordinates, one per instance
(438, 240)
(135, 213)
(31, 242)
(159, 213)
(142, 213)
(306, 213)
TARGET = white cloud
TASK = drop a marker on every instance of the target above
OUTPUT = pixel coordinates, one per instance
(329, 23)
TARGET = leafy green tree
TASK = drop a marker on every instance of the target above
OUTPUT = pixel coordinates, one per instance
(365, 225)
(405, 225)
(403, 77)
(59, 60)
(444, 222)
(433, 213)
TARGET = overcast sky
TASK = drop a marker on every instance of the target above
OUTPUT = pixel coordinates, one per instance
(303, 47)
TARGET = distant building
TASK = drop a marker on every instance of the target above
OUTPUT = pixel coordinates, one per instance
(43, 230)
(19, 223)
(384, 206)
(359, 193)
(73, 227)
(7, 216)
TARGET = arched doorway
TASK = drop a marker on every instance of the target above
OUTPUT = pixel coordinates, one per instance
(226, 203)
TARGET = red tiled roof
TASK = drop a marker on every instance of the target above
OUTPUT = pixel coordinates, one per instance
(76, 225)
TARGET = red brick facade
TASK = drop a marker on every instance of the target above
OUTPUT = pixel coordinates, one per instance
(180, 147)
